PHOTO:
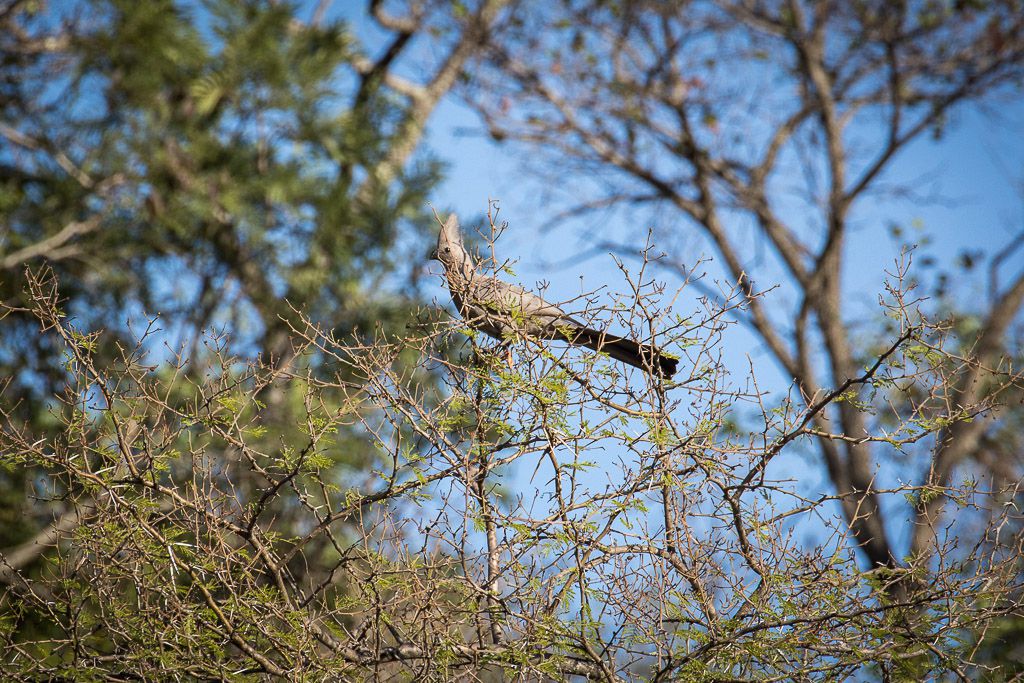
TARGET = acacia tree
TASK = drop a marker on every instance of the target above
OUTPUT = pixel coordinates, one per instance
(715, 111)
(553, 516)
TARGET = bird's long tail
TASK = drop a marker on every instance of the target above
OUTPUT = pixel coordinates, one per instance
(643, 356)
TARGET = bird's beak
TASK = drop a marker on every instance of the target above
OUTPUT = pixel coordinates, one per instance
(433, 255)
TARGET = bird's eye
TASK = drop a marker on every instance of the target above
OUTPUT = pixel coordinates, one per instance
(447, 249)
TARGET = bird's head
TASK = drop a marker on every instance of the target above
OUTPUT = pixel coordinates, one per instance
(449, 249)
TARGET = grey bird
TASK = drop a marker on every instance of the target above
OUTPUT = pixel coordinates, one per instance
(502, 310)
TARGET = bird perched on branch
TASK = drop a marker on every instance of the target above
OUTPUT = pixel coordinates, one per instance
(501, 310)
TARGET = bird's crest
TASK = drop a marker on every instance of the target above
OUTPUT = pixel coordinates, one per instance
(450, 233)
(450, 252)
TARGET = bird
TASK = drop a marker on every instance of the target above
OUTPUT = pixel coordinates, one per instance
(502, 310)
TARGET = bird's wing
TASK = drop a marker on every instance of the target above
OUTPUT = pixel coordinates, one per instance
(507, 306)
(503, 298)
